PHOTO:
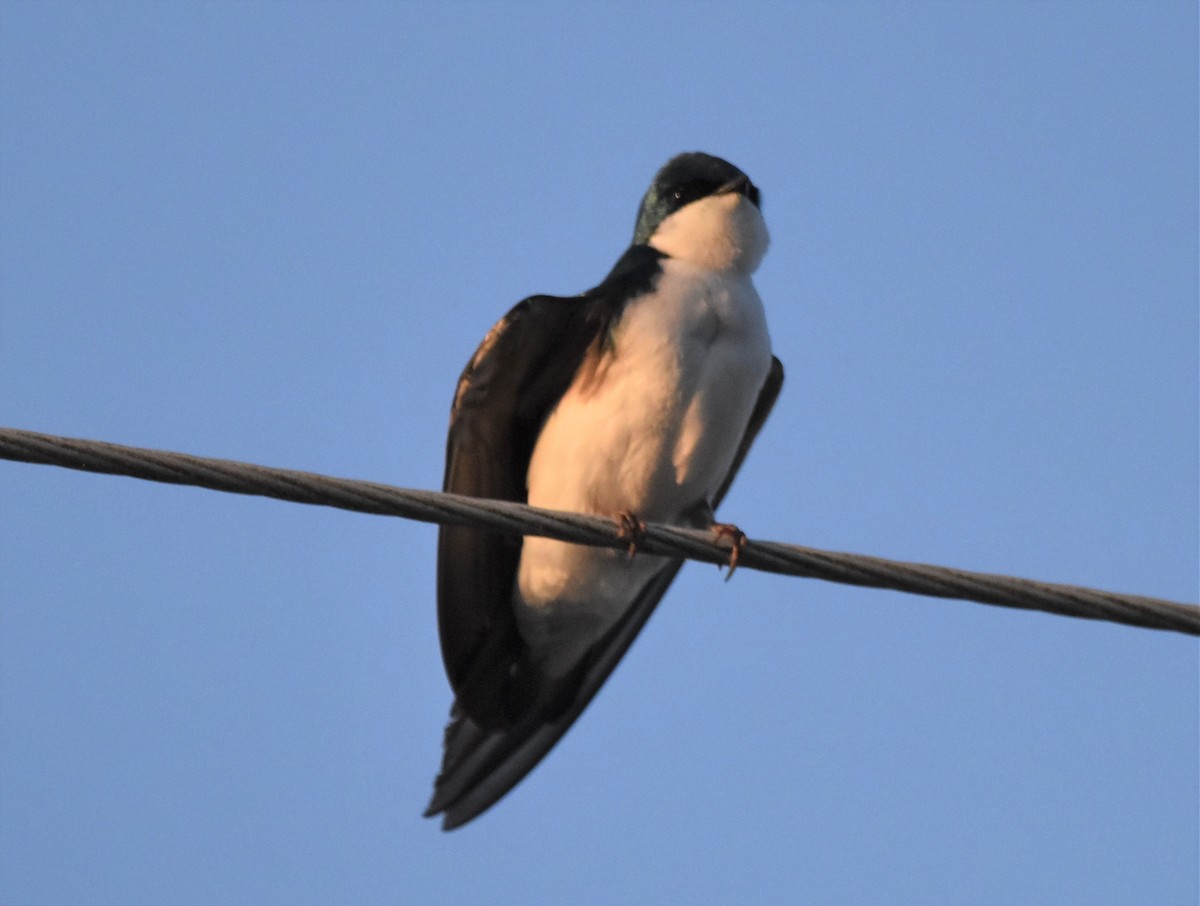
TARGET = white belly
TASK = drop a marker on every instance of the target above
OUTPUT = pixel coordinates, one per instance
(654, 437)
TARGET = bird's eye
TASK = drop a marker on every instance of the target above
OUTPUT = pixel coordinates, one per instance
(686, 193)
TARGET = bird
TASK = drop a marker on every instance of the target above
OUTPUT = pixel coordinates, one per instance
(638, 400)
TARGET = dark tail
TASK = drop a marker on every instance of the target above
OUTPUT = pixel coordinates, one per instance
(479, 766)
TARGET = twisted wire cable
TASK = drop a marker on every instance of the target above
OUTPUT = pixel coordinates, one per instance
(429, 506)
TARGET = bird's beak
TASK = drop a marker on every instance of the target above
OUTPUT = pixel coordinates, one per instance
(740, 184)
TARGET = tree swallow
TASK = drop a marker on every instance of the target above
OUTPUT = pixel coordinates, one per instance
(637, 400)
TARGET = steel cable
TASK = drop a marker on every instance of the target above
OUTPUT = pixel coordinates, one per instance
(429, 506)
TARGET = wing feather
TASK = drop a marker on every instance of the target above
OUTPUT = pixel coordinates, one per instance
(484, 760)
(520, 370)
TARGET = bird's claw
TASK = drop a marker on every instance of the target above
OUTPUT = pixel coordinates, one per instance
(737, 540)
(631, 529)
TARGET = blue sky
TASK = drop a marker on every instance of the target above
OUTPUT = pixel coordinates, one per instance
(275, 232)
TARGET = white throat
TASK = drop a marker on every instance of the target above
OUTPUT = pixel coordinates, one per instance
(718, 232)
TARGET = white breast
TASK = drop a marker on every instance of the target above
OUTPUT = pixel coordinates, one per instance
(654, 437)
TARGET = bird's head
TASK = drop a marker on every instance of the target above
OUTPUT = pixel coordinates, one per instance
(704, 210)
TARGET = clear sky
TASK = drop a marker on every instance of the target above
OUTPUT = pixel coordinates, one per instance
(275, 232)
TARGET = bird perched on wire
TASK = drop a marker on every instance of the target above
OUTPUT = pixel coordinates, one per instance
(638, 400)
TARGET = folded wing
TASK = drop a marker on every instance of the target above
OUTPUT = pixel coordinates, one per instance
(500, 727)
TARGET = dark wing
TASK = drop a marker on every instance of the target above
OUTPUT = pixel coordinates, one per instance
(516, 377)
(762, 408)
(518, 373)
(482, 764)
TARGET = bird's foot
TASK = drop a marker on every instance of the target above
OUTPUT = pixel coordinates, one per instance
(737, 541)
(631, 529)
